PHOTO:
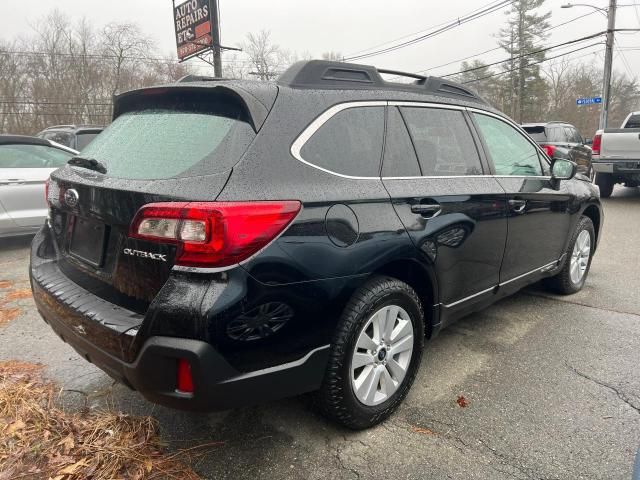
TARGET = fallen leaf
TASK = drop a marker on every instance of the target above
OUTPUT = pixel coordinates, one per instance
(68, 443)
(15, 426)
(462, 402)
(72, 469)
(17, 295)
(5, 284)
(8, 314)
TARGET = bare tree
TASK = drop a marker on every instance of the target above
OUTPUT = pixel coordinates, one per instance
(266, 59)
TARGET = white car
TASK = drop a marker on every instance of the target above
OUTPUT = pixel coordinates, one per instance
(25, 166)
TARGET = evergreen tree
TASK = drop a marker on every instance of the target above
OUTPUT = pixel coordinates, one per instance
(524, 34)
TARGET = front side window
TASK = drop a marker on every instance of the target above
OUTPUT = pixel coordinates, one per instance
(84, 139)
(32, 156)
(511, 152)
(443, 141)
(349, 143)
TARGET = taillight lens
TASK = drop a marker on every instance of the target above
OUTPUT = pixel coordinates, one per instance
(597, 144)
(214, 234)
(550, 150)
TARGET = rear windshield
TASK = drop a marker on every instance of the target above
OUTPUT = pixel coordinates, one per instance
(537, 133)
(177, 140)
(633, 122)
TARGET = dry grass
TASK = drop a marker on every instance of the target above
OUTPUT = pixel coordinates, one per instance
(38, 440)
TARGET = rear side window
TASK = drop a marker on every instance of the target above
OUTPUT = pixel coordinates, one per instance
(84, 139)
(175, 139)
(443, 141)
(349, 143)
(633, 122)
(556, 135)
(511, 152)
(400, 158)
(32, 156)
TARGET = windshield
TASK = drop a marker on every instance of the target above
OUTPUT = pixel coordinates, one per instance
(165, 142)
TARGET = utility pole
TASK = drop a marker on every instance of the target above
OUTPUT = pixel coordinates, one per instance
(608, 62)
(217, 57)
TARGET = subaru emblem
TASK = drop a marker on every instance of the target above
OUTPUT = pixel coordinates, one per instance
(71, 197)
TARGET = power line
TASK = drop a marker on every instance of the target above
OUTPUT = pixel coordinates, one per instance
(410, 34)
(534, 63)
(500, 48)
(452, 24)
(535, 52)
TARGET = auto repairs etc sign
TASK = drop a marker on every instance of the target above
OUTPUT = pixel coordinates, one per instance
(193, 27)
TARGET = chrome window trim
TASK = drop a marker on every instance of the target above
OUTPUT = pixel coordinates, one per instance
(324, 117)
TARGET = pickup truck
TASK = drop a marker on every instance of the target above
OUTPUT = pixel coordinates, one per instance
(616, 155)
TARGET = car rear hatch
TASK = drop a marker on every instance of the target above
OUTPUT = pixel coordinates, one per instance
(173, 144)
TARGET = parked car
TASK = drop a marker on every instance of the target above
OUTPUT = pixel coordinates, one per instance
(25, 166)
(616, 155)
(563, 140)
(73, 136)
(249, 241)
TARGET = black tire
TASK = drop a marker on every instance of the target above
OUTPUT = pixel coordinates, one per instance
(336, 398)
(605, 183)
(562, 282)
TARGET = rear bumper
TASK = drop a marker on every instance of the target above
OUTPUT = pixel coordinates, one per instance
(617, 166)
(101, 332)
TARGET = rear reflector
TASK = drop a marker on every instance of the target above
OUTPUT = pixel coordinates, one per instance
(214, 234)
(184, 382)
(597, 144)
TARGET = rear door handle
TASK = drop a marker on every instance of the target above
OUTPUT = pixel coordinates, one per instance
(518, 206)
(426, 210)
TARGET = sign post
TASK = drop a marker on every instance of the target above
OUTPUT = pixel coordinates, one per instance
(197, 31)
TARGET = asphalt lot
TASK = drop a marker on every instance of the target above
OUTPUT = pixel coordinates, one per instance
(553, 386)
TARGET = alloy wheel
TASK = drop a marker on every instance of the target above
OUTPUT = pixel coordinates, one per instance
(580, 256)
(382, 355)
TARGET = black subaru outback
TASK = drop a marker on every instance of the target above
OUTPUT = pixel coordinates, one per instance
(230, 242)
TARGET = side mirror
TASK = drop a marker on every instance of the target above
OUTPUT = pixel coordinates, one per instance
(562, 169)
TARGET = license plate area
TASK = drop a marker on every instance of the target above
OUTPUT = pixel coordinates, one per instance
(87, 241)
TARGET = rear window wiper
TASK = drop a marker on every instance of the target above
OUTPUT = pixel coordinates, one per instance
(88, 163)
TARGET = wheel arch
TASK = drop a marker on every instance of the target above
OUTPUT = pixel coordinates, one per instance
(422, 280)
(593, 212)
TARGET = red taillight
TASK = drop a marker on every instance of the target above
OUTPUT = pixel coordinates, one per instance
(184, 382)
(214, 234)
(597, 144)
(550, 150)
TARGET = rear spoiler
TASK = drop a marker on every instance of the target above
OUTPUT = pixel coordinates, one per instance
(257, 109)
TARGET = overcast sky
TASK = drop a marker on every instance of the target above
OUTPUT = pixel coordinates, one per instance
(346, 26)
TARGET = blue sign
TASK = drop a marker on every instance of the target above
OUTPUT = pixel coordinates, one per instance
(589, 101)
